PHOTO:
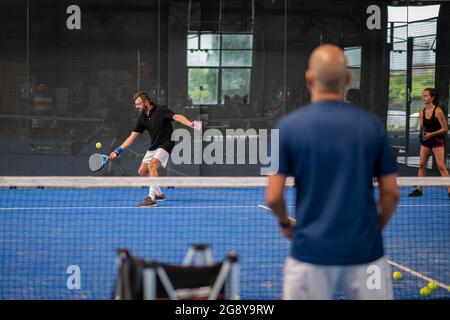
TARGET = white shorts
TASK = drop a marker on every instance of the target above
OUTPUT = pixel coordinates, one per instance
(305, 281)
(160, 154)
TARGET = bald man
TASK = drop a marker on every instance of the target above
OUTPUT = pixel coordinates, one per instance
(334, 149)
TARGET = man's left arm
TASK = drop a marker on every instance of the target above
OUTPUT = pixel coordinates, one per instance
(183, 120)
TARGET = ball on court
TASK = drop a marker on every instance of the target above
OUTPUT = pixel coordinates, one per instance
(424, 291)
(432, 286)
(98, 145)
(397, 275)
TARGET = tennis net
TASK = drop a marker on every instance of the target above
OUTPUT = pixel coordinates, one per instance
(54, 229)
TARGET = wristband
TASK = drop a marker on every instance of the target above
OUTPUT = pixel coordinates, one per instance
(285, 225)
(118, 150)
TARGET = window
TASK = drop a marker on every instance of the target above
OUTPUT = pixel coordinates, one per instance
(353, 55)
(219, 66)
(419, 23)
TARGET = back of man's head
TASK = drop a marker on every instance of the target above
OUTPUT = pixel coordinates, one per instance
(327, 71)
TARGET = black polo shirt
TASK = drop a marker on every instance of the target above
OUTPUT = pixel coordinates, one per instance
(159, 125)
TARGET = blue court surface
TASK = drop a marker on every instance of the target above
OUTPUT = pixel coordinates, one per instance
(44, 231)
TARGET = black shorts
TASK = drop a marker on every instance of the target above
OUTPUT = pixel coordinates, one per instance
(434, 142)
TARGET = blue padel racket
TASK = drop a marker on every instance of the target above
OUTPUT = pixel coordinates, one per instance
(97, 161)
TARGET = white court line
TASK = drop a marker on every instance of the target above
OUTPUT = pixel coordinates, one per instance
(177, 207)
(402, 267)
(423, 205)
(400, 205)
(136, 207)
(417, 274)
(292, 220)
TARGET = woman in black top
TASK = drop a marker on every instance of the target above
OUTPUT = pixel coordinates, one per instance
(433, 127)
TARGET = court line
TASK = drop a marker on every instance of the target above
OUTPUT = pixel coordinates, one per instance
(423, 205)
(417, 274)
(171, 207)
(400, 205)
(292, 220)
(136, 207)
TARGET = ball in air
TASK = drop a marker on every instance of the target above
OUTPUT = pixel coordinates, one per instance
(98, 145)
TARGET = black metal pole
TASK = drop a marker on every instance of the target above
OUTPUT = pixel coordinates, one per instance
(409, 62)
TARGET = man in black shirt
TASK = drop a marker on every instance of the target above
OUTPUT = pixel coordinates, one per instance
(157, 120)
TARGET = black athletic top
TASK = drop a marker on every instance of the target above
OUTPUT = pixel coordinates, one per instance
(432, 124)
(159, 125)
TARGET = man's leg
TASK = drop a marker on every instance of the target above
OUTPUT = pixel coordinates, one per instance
(144, 171)
(305, 281)
(159, 158)
(154, 191)
(370, 281)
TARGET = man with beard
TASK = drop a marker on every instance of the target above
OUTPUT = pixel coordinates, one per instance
(157, 120)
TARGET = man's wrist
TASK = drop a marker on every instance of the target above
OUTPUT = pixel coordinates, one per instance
(118, 150)
(284, 223)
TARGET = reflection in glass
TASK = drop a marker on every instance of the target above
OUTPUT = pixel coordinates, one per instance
(203, 85)
(203, 58)
(236, 84)
(237, 58)
(237, 41)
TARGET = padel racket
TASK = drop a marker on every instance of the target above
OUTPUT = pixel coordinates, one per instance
(97, 161)
(421, 134)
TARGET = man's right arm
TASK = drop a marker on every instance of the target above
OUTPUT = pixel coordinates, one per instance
(128, 142)
(389, 198)
(386, 172)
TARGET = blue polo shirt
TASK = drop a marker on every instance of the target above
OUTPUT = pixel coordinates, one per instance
(334, 149)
